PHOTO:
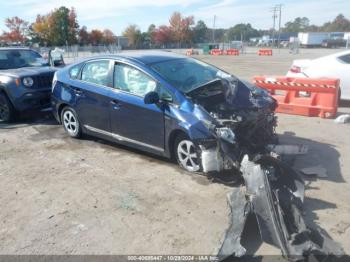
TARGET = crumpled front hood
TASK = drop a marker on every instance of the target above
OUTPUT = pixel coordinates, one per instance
(27, 71)
(237, 94)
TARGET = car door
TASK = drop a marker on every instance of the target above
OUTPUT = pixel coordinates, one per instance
(131, 119)
(92, 90)
(344, 75)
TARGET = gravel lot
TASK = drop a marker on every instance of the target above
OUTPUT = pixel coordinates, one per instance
(64, 196)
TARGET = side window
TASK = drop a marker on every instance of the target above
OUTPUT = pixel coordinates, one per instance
(96, 72)
(132, 80)
(74, 71)
(345, 59)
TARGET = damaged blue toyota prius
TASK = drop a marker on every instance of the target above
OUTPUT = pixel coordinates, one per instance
(206, 119)
(163, 103)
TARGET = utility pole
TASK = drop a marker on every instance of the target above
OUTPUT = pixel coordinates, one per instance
(279, 8)
(214, 29)
(274, 16)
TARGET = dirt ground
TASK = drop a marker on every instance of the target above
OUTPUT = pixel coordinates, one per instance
(64, 196)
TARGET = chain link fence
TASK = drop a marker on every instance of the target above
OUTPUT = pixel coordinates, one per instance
(75, 52)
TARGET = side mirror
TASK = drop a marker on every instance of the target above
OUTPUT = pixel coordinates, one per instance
(151, 98)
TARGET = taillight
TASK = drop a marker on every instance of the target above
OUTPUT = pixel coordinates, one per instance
(295, 69)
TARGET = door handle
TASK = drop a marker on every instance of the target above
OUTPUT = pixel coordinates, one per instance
(115, 104)
(78, 90)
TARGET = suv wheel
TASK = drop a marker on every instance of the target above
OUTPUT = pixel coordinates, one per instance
(186, 154)
(70, 122)
(7, 112)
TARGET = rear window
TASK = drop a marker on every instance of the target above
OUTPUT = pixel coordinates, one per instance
(345, 59)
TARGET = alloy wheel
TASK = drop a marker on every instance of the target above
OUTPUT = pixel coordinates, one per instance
(70, 123)
(187, 156)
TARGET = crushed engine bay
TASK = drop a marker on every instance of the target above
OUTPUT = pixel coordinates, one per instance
(245, 142)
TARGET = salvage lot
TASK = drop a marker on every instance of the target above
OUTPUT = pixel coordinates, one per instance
(65, 196)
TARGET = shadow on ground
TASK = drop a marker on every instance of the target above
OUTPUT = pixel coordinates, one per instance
(320, 154)
(31, 119)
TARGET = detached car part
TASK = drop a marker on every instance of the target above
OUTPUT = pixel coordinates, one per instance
(274, 192)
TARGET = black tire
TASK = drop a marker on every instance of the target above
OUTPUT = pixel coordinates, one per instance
(70, 122)
(193, 161)
(7, 111)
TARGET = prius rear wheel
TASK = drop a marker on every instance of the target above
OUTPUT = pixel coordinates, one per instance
(70, 122)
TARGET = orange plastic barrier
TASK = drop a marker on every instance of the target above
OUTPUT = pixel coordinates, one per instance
(303, 96)
(266, 52)
(232, 51)
(189, 52)
(216, 52)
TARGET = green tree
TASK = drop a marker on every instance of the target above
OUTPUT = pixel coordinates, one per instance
(63, 26)
(339, 24)
(241, 32)
(151, 34)
(59, 27)
(300, 24)
(200, 32)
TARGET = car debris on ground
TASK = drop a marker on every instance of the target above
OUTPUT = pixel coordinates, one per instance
(274, 192)
(342, 119)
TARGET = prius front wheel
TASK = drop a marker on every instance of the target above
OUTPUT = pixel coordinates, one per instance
(186, 154)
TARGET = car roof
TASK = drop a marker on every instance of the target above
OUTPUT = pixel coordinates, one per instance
(144, 57)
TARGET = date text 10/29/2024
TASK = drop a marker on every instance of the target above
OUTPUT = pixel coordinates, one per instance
(174, 258)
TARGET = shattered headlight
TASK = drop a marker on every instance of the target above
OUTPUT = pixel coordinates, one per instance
(226, 134)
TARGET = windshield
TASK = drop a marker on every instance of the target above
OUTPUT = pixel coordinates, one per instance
(10, 59)
(186, 74)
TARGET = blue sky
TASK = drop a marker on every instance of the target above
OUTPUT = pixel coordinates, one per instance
(116, 15)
